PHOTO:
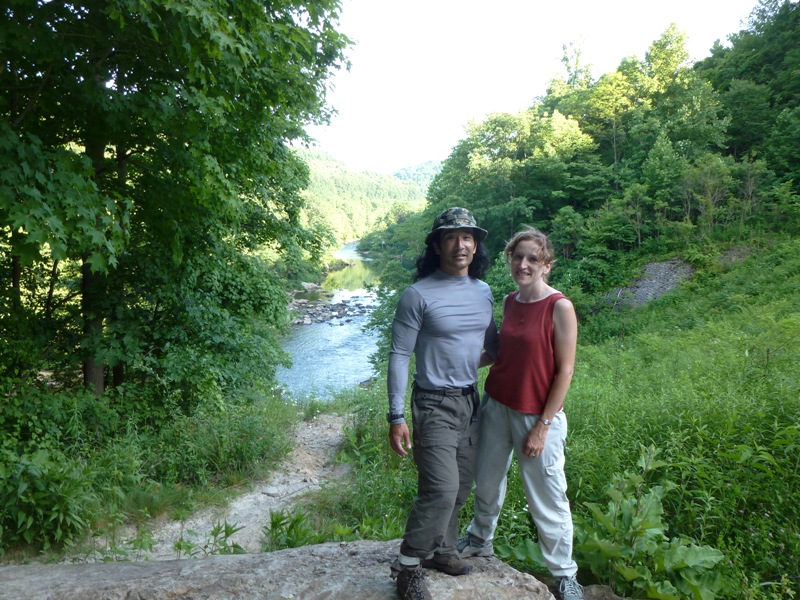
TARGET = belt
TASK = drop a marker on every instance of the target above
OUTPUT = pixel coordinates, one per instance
(461, 391)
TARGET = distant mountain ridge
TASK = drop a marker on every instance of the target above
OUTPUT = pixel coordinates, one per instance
(421, 174)
(349, 204)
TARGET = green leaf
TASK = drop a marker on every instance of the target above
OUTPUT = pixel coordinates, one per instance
(602, 517)
(97, 262)
(681, 557)
(663, 590)
(630, 574)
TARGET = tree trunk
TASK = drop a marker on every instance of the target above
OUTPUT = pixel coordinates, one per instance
(16, 283)
(92, 287)
(93, 370)
(118, 374)
(48, 304)
(114, 290)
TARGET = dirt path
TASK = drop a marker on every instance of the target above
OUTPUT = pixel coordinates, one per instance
(308, 466)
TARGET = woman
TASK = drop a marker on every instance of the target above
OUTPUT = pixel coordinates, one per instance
(522, 412)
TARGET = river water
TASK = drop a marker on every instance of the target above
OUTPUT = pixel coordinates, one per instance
(332, 356)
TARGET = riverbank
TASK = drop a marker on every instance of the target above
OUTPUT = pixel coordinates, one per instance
(322, 306)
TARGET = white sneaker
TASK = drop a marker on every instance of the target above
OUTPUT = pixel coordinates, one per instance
(471, 546)
(569, 589)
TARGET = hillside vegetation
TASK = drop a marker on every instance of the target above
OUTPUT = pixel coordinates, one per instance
(153, 216)
(682, 455)
(349, 205)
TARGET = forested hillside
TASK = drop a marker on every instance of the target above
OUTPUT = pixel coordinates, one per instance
(654, 157)
(352, 204)
(422, 175)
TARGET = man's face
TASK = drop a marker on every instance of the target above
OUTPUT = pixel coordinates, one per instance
(455, 248)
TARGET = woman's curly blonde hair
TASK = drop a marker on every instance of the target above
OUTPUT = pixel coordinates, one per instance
(546, 255)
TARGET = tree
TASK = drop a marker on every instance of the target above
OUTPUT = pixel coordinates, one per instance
(753, 180)
(712, 185)
(568, 95)
(691, 114)
(611, 98)
(747, 107)
(765, 53)
(634, 205)
(565, 230)
(159, 132)
(662, 173)
(782, 146)
(666, 60)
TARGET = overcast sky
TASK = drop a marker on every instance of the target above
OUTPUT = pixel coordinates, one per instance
(422, 69)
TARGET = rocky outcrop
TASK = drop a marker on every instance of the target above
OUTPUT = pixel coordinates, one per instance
(657, 279)
(356, 571)
(352, 571)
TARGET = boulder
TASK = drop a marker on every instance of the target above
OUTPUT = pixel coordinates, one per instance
(355, 571)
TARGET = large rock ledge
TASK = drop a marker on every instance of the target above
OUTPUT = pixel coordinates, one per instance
(355, 571)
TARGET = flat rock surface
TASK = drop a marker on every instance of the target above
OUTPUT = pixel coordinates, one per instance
(356, 571)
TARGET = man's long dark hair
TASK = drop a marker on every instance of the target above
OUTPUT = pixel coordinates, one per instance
(428, 261)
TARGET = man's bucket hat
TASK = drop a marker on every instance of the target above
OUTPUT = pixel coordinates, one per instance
(456, 218)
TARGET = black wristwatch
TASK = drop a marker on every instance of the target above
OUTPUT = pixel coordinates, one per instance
(394, 416)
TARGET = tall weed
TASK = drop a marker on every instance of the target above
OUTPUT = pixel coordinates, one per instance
(45, 499)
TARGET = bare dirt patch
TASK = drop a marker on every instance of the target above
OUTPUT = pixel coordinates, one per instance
(657, 279)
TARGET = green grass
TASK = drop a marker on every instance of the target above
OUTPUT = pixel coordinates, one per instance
(707, 377)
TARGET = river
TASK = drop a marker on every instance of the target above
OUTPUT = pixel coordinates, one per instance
(332, 356)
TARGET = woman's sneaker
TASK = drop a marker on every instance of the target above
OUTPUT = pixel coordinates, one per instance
(472, 546)
(569, 589)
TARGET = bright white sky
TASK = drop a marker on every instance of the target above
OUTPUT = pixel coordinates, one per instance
(423, 69)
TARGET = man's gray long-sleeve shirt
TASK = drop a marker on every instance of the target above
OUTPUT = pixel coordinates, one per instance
(446, 321)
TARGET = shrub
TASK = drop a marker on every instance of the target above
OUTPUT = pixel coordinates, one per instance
(45, 498)
(626, 543)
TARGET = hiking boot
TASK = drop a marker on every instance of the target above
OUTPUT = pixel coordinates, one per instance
(472, 546)
(448, 563)
(569, 589)
(411, 584)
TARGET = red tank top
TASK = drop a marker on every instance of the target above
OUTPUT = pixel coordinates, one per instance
(525, 366)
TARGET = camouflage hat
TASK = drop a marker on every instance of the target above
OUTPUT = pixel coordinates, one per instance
(456, 218)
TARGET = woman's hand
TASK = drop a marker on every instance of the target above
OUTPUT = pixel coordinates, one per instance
(534, 441)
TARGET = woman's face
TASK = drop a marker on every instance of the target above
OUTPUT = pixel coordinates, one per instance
(526, 268)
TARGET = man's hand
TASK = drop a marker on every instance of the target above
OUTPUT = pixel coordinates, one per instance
(400, 439)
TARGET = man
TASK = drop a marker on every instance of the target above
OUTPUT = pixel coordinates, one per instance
(446, 320)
